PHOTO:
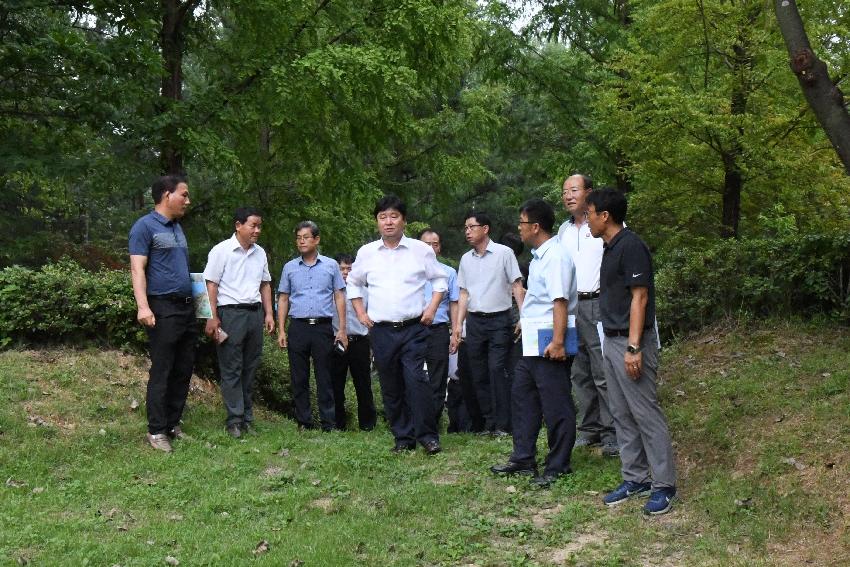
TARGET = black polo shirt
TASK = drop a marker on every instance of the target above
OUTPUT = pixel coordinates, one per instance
(626, 262)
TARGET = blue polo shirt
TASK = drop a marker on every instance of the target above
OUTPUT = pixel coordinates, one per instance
(311, 288)
(452, 294)
(163, 243)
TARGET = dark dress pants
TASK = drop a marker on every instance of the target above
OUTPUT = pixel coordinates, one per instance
(238, 359)
(357, 359)
(488, 340)
(405, 388)
(305, 342)
(437, 360)
(541, 392)
(466, 390)
(171, 342)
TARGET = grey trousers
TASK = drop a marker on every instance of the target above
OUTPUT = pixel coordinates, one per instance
(646, 452)
(588, 376)
(238, 359)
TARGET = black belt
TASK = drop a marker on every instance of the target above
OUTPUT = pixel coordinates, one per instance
(588, 295)
(398, 324)
(438, 325)
(355, 338)
(490, 315)
(312, 320)
(173, 298)
(248, 306)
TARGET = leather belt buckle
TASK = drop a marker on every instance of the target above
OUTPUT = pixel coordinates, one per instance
(312, 321)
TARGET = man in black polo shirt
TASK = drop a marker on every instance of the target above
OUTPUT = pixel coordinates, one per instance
(159, 267)
(627, 311)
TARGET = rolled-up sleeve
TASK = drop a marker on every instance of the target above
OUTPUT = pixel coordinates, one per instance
(434, 273)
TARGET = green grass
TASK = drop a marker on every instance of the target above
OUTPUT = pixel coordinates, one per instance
(80, 487)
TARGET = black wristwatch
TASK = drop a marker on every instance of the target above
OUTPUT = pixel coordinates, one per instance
(634, 349)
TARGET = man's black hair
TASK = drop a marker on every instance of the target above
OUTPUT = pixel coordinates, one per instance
(165, 184)
(314, 228)
(241, 214)
(344, 258)
(480, 217)
(388, 202)
(585, 179)
(611, 200)
(512, 241)
(541, 212)
(427, 230)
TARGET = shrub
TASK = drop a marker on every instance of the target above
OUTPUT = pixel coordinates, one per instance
(786, 274)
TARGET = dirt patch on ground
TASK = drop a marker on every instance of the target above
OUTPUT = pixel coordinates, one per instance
(446, 479)
(543, 517)
(326, 505)
(581, 543)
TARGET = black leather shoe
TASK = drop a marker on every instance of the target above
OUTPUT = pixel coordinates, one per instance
(403, 447)
(547, 479)
(234, 430)
(513, 468)
(432, 447)
(587, 442)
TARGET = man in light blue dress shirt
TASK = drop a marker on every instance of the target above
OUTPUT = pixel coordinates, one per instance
(311, 289)
(541, 388)
(437, 354)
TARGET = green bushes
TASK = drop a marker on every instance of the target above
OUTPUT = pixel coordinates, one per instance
(791, 274)
(64, 303)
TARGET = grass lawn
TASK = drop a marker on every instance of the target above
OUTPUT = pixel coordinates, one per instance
(760, 418)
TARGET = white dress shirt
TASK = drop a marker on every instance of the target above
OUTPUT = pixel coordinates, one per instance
(551, 276)
(586, 252)
(396, 278)
(237, 271)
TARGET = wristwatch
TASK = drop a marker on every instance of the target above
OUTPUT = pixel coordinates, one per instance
(633, 349)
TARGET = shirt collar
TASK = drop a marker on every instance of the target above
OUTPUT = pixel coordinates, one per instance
(301, 260)
(161, 218)
(403, 242)
(617, 237)
(543, 248)
(490, 248)
(235, 244)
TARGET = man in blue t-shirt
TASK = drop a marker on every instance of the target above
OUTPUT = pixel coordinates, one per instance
(159, 267)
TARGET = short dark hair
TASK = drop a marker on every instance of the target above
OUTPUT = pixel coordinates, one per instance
(541, 212)
(427, 230)
(480, 217)
(611, 200)
(241, 214)
(388, 202)
(344, 258)
(512, 241)
(585, 179)
(165, 184)
(314, 228)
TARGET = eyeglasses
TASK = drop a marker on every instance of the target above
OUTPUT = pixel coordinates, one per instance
(304, 238)
(471, 226)
(526, 222)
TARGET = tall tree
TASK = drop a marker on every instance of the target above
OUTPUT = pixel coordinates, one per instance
(822, 93)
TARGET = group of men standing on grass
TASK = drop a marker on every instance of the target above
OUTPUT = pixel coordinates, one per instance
(593, 280)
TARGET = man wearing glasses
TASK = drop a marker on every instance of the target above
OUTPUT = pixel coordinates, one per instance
(311, 288)
(487, 276)
(588, 375)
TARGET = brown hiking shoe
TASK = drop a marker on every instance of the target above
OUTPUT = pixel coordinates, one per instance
(177, 433)
(160, 442)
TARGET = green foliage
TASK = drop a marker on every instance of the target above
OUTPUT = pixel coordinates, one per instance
(64, 303)
(785, 274)
(272, 379)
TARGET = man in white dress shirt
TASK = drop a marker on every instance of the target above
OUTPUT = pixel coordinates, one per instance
(395, 269)
(239, 288)
(589, 386)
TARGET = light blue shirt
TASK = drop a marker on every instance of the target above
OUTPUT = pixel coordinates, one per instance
(311, 288)
(551, 276)
(452, 294)
(353, 326)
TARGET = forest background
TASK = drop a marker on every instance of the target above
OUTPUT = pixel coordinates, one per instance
(311, 109)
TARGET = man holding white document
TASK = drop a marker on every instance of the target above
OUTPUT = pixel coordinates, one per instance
(542, 389)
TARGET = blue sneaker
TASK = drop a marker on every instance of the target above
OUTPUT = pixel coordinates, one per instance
(627, 490)
(660, 501)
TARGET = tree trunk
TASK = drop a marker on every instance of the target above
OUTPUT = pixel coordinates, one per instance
(823, 96)
(733, 180)
(172, 42)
